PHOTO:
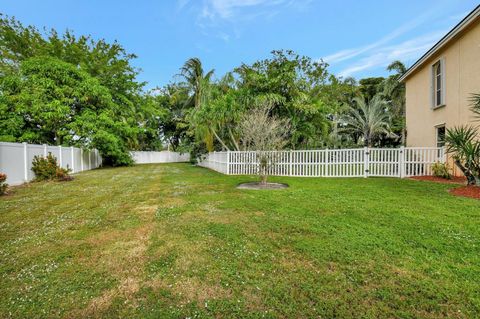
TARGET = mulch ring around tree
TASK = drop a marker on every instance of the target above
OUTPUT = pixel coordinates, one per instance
(260, 186)
(466, 191)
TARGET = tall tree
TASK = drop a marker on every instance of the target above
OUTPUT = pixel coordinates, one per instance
(369, 87)
(292, 82)
(368, 120)
(197, 80)
(394, 91)
(52, 85)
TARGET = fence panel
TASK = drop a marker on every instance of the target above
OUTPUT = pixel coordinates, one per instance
(147, 157)
(359, 162)
(16, 159)
(419, 160)
(384, 162)
(11, 162)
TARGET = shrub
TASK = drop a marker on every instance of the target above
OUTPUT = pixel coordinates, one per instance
(441, 170)
(464, 145)
(47, 168)
(3, 184)
(113, 150)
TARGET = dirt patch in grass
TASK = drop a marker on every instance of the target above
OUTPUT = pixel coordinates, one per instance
(467, 191)
(191, 289)
(126, 290)
(453, 180)
(124, 255)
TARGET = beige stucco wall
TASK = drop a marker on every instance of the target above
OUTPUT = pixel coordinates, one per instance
(462, 77)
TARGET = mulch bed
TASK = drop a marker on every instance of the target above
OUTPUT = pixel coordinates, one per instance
(467, 191)
(453, 180)
(464, 191)
(259, 186)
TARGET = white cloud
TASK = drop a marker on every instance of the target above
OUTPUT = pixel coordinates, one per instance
(229, 10)
(388, 48)
(384, 55)
(223, 18)
(354, 52)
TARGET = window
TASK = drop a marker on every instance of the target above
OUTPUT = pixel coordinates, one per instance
(438, 84)
(440, 136)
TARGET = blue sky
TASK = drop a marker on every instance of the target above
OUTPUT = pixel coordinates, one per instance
(357, 38)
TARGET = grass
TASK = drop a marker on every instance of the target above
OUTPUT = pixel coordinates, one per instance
(175, 241)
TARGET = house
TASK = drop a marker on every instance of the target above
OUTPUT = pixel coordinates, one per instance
(439, 85)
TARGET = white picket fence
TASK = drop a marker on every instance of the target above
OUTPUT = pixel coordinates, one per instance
(360, 162)
(16, 159)
(150, 157)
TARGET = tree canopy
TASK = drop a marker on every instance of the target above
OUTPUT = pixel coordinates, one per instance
(66, 89)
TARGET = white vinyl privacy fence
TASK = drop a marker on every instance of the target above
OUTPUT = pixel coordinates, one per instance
(16, 159)
(361, 162)
(147, 157)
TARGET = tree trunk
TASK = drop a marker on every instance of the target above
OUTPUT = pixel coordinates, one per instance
(471, 180)
(263, 179)
(233, 140)
(220, 140)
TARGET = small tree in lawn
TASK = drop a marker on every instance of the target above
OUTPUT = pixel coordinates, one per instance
(263, 133)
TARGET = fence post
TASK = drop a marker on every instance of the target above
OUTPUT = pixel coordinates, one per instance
(45, 150)
(290, 161)
(444, 155)
(401, 162)
(89, 159)
(60, 155)
(327, 163)
(228, 162)
(366, 155)
(81, 160)
(73, 159)
(25, 163)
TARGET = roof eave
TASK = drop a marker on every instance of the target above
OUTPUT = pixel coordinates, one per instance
(462, 25)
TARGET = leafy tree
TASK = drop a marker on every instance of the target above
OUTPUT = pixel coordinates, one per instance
(369, 87)
(368, 120)
(45, 96)
(262, 133)
(65, 89)
(292, 84)
(174, 125)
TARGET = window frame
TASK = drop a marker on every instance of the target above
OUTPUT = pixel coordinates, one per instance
(437, 127)
(437, 87)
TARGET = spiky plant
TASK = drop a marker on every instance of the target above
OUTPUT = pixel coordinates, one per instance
(464, 145)
(475, 100)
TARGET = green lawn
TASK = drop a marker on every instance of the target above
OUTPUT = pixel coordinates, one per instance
(155, 241)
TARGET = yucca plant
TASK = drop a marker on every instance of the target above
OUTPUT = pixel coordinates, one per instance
(475, 100)
(464, 145)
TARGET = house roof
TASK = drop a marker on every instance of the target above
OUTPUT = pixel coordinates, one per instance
(462, 25)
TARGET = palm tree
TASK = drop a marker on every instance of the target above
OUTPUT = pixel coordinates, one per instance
(395, 91)
(368, 120)
(197, 80)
